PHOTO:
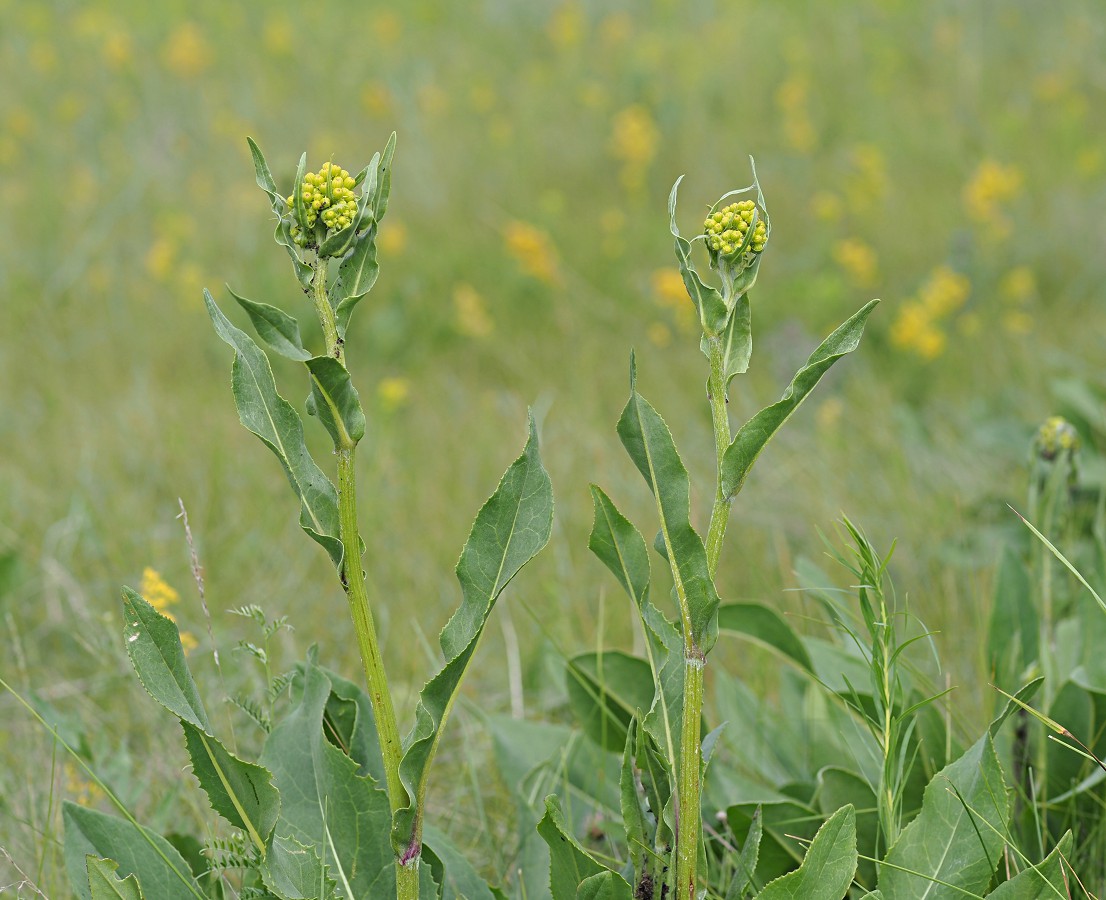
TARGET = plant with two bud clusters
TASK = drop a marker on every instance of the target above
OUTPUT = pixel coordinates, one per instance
(334, 807)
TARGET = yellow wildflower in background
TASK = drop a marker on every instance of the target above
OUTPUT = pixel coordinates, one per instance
(944, 292)
(186, 52)
(376, 98)
(116, 49)
(392, 238)
(858, 260)
(566, 26)
(918, 324)
(992, 185)
(634, 138)
(160, 258)
(1017, 322)
(533, 250)
(471, 313)
(659, 334)
(827, 206)
(393, 392)
(867, 182)
(829, 413)
(278, 36)
(387, 26)
(791, 101)
(82, 791)
(1018, 285)
(161, 595)
(669, 292)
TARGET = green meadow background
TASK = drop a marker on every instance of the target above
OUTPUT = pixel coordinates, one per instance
(947, 157)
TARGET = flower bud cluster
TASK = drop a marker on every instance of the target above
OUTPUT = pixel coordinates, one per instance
(1056, 436)
(728, 229)
(327, 194)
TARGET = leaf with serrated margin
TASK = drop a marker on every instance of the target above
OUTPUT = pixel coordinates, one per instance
(138, 851)
(104, 884)
(569, 863)
(295, 871)
(279, 331)
(755, 434)
(324, 804)
(153, 645)
(241, 792)
(649, 443)
(746, 864)
(510, 529)
(283, 233)
(956, 841)
(604, 886)
(708, 302)
(633, 816)
(268, 415)
(827, 869)
(1045, 881)
(336, 402)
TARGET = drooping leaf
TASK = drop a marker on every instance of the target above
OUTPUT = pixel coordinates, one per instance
(708, 302)
(1046, 881)
(279, 331)
(154, 647)
(336, 402)
(324, 804)
(605, 691)
(162, 871)
(752, 437)
(649, 444)
(510, 529)
(104, 883)
(268, 415)
(766, 626)
(283, 233)
(827, 869)
(241, 792)
(350, 724)
(955, 843)
(459, 880)
(569, 862)
(604, 886)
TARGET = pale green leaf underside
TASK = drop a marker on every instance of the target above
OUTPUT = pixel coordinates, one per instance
(283, 233)
(280, 331)
(106, 885)
(709, 304)
(336, 402)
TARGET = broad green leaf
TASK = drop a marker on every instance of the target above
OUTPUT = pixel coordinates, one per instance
(827, 869)
(138, 851)
(605, 691)
(268, 415)
(569, 862)
(153, 644)
(349, 724)
(955, 843)
(103, 883)
(324, 804)
(1023, 696)
(766, 626)
(1046, 881)
(746, 864)
(649, 444)
(633, 816)
(283, 234)
(511, 527)
(336, 402)
(737, 339)
(837, 788)
(280, 331)
(241, 792)
(296, 872)
(708, 302)
(357, 273)
(460, 880)
(781, 821)
(1013, 630)
(755, 434)
(604, 886)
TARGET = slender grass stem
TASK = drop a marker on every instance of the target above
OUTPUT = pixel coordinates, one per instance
(353, 581)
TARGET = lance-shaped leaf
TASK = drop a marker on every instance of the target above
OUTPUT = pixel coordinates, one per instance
(954, 845)
(280, 331)
(649, 444)
(569, 863)
(511, 527)
(268, 415)
(746, 864)
(324, 804)
(736, 340)
(241, 792)
(1045, 881)
(708, 302)
(283, 234)
(106, 885)
(154, 647)
(754, 434)
(336, 402)
(765, 626)
(161, 870)
(605, 690)
(633, 815)
(827, 869)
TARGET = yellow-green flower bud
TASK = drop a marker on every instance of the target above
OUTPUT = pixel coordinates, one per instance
(329, 202)
(1056, 436)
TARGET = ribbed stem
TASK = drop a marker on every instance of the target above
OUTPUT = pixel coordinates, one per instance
(716, 389)
(688, 783)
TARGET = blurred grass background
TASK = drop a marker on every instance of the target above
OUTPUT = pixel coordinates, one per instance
(947, 157)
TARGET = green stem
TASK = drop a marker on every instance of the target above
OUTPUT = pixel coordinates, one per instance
(716, 391)
(689, 787)
(353, 580)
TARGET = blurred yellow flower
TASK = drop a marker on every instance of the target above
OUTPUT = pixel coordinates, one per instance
(376, 98)
(616, 29)
(1018, 285)
(116, 48)
(81, 790)
(634, 138)
(868, 180)
(432, 99)
(160, 258)
(278, 35)
(43, 57)
(566, 26)
(917, 326)
(157, 591)
(387, 27)
(1089, 162)
(392, 238)
(829, 413)
(668, 287)
(482, 98)
(659, 334)
(18, 122)
(858, 260)
(827, 206)
(393, 392)
(791, 100)
(990, 186)
(944, 292)
(533, 250)
(1017, 322)
(471, 313)
(186, 52)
